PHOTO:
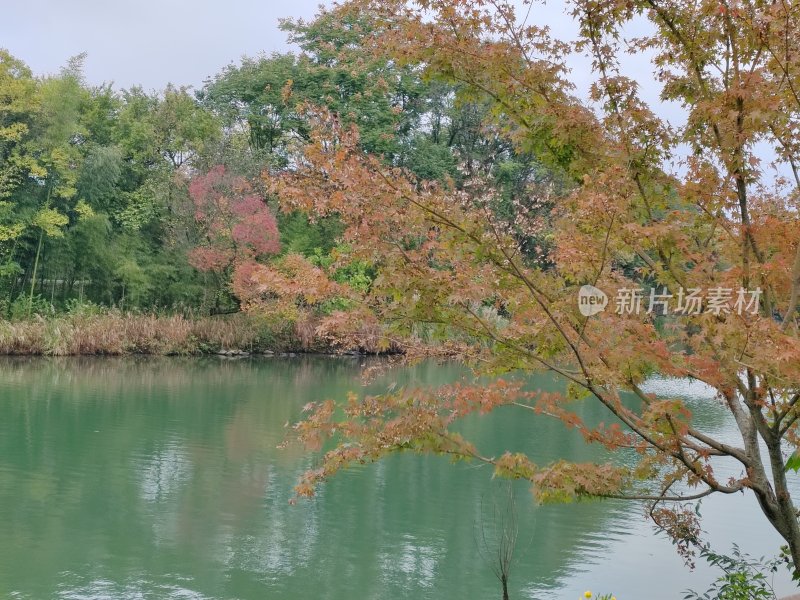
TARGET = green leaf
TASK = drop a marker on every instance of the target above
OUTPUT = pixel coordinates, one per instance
(793, 463)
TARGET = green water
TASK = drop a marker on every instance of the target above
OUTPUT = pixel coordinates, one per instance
(160, 478)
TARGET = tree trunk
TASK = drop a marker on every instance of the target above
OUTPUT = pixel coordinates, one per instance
(504, 581)
(785, 523)
(783, 515)
(35, 268)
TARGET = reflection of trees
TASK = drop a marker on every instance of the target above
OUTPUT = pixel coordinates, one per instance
(164, 474)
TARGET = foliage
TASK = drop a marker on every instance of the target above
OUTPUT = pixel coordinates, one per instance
(744, 578)
(625, 219)
(23, 307)
(235, 224)
(95, 182)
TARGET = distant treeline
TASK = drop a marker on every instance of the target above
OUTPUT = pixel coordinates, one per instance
(144, 201)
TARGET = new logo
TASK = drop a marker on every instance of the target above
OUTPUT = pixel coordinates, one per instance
(591, 300)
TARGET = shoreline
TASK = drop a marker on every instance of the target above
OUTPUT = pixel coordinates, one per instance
(111, 333)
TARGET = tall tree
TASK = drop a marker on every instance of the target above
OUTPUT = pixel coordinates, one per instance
(19, 104)
(54, 149)
(722, 228)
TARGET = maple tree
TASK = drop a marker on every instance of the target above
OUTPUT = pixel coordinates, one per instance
(236, 226)
(710, 204)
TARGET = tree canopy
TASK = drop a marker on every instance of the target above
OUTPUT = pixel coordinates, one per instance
(689, 233)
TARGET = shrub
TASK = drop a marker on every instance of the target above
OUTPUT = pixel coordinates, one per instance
(743, 577)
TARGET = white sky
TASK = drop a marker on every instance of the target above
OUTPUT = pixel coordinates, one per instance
(155, 42)
(147, 42)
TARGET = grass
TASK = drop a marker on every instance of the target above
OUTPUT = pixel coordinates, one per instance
(116, 333)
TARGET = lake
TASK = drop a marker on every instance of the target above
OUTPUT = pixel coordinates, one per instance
(161, 478)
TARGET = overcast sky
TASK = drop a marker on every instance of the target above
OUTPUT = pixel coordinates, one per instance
(155, 42)
(147, 42)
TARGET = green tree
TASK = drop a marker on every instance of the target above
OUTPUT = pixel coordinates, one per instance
(19, 104)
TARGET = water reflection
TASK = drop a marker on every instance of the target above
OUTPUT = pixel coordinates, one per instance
(160, 478)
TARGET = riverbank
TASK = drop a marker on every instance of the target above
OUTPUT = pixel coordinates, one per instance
(114, 333)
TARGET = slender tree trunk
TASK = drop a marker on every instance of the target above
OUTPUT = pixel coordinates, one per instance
(504, 582)
(35, 268)
(794, 547)
(12, 287)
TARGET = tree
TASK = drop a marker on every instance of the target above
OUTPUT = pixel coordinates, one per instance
(143, 149)
(252, 100)
(54, 154)
(722, 226)
(264, 97)
(19, 103)
(496, 536)
(236, 227)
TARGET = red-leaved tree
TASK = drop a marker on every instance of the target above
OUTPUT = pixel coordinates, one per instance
(236, 227)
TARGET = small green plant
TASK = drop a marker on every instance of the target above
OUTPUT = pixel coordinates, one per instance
(743, 578)
(24, 307)
(83, 308)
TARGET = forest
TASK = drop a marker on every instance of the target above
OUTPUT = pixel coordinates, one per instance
(148, 201)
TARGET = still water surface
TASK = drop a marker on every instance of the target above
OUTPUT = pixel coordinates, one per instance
(160, 478)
